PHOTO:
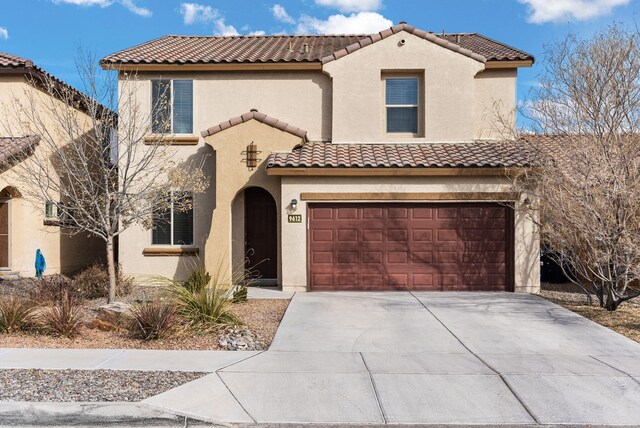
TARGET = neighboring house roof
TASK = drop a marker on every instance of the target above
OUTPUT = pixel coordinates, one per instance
(174, 49)
(260, 117)
(478, 154)
(14, 148)
(13, 64)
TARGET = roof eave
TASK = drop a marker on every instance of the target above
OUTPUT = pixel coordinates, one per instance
(387, 171)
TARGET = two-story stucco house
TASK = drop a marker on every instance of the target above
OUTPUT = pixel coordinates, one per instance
(24, 225)
(340, 162)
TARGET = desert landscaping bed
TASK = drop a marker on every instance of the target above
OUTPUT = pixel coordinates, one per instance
(625, 320)
(260, 317)
(253, 329)
(88, 385)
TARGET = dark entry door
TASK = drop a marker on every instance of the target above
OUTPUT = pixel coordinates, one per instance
(4, 234)
(261, 230)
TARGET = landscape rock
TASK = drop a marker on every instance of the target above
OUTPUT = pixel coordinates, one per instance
(109, 316)
(241, 338)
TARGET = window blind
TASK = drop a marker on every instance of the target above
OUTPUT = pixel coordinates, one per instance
(402, 92)
(183, 221)
(401, 99)
(183, 106)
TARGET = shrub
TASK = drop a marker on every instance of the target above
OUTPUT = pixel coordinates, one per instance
(151, 320)
(93, 282)
(16, 314)
(64, 318)
(51, 288)
(203, 300)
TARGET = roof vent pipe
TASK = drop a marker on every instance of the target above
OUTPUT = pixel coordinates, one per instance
(290, 46)
(458, 39)
(306, 48)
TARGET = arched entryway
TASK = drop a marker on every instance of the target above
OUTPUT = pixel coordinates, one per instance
(6, 195)
(261, 234)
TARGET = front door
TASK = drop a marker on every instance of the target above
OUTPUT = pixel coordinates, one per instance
(4, 234)
(261, 230)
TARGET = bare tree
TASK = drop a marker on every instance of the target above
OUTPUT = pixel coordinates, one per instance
(586, 153)
(103, 172)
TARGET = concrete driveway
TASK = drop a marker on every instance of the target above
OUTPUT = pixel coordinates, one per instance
(426, 358)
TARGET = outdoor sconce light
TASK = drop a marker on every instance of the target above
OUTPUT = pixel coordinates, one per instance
(251, 156)
(526, 202)
(293, 205)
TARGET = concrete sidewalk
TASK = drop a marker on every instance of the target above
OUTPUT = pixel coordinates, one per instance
(400, 358)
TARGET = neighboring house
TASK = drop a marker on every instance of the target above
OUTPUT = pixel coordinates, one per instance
(341, 162)
(25, 226)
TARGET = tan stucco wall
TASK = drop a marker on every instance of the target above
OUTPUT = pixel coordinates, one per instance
(294, 254)
(63, 252)
(219, 212)
(495, 102)
(448, 91)
(301, 98)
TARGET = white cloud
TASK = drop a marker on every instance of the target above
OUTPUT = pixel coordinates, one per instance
(351, 5)
(4, 33)
(138, 10)
(541, 11)
(356, 23)
(280, 13)
(223, 29)
(193, 13)
(257, 33)
(101, 3)
(129, 4)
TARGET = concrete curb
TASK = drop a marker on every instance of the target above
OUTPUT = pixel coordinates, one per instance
(14, 413)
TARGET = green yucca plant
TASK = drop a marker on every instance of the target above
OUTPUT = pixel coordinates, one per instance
(16, 313)
(205, 300)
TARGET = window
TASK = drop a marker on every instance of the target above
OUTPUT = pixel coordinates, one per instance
(48, 209)
(401, 103)
(172, 106)
(175, 225)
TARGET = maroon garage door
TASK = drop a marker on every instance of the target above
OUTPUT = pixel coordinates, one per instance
(397, 246)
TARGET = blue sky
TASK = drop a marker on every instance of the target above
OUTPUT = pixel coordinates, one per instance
(50, 32)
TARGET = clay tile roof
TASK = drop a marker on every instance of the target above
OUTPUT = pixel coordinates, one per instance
(13, 148)
(476, 154)
(12, 61)
(15, 64)
(260, 117)
(175, 49)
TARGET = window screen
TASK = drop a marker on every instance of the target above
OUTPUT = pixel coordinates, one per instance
(401, 101)
(175, 225)
(183, 106)
(161, 106)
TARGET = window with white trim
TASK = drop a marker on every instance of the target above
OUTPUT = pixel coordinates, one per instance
(174, 226)
(401, 104)
(172, 106)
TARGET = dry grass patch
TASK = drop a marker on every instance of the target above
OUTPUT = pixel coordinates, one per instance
(625, 320)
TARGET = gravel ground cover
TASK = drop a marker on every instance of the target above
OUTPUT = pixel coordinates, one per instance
(88, 385)
(625, 320)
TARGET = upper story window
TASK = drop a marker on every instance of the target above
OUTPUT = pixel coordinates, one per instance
(172, 106)
(401, 103)
(174, 226)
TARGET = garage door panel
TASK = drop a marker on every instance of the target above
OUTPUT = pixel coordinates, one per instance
(393, 246)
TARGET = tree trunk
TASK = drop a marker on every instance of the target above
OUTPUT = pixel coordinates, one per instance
(111, 268)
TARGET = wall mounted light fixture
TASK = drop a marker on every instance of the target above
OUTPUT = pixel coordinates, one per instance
(251, 156)
(293, 204)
